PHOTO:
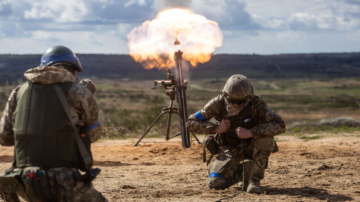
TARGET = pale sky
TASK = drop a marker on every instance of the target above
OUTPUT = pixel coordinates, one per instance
(248, 26)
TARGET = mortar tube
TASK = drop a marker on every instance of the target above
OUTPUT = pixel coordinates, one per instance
(181, 99)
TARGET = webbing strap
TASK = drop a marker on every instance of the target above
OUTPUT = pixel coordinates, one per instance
(83, 152)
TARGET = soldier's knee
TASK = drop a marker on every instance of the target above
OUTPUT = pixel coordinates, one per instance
(265, 145)
(217, 181)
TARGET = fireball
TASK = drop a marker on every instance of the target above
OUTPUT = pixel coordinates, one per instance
(152, 44)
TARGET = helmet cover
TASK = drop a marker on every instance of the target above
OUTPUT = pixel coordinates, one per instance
(60, 54)
(238, 87)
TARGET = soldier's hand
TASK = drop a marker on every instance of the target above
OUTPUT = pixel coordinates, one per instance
(223, 126)
(243, 133)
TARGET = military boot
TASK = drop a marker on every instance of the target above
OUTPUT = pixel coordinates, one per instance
(254, 187)
(241, 184)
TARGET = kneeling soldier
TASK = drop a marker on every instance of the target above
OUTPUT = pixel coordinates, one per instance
(247, 127)
(42, 119)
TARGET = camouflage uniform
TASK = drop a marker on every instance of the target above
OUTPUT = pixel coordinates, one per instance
(84, 112)
(90, 85)
(226, 166)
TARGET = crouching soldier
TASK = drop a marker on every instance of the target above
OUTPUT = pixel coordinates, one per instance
(42, 119)
(247, 128)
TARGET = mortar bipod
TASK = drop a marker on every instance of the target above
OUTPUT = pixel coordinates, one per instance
(167, 110)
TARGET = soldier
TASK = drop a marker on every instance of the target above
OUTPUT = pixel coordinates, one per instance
(42, 119)
(247, 127)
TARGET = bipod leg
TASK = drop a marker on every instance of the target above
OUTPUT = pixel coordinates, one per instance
(177, 134)
(168, 126)
(196, 138)
(162, 113)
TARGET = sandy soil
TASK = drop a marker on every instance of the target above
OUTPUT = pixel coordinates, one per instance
(318, 170)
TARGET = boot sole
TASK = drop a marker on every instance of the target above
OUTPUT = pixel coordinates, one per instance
(254, 190)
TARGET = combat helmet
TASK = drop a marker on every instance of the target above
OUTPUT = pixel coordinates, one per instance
(238, 87)
(60, 54)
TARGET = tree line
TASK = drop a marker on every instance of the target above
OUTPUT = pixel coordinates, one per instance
(311, 65)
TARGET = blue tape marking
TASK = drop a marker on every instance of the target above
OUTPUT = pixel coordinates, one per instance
(57, 58)
(199, 116)
(216, 175)
(92, 127)
(40, 172)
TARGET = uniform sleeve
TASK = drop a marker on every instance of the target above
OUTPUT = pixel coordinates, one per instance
(88, 109)
(199, 122)
(269, 122)
(6, 126)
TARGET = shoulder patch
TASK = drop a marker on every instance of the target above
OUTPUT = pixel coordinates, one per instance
(199, 116)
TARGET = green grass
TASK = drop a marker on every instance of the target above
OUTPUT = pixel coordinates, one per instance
(105, 87)
(353, 90)
(311, 102)
(299, 131)
(125, 123)
(303, 137)
(307, 133)
(127, 108)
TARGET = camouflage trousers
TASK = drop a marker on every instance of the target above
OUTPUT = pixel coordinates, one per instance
(227, 169)
(55, 184)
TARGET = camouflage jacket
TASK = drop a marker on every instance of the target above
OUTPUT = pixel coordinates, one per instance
(269, 123)
(83, 107)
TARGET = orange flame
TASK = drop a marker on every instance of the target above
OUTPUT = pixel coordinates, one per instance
(152, 44)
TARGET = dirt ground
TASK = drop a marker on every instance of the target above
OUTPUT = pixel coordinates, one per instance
(318, 170)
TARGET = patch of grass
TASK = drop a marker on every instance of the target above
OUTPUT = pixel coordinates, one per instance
(353, 90)
(311, 102)
(201, 95)
(303, 137)
(105, 87)
(320, 129)
(128, 107)
(125, 123)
